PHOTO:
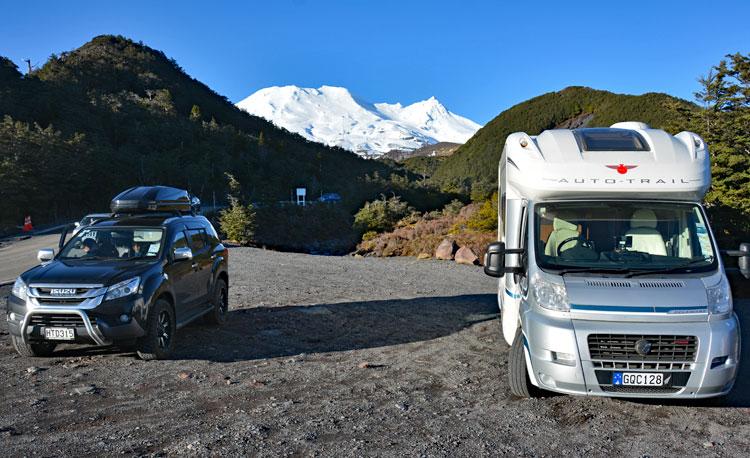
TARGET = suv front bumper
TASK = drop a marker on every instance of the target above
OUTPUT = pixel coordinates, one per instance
(548, 337)
(93, 321)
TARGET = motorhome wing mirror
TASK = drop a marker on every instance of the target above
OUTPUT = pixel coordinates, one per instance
(744, 260)
(182, 253)
(494, 260)
(45, 255)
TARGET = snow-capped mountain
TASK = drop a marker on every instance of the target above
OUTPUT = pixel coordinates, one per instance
(333, 116)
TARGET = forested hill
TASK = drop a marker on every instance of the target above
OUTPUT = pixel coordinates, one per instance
(115, 113)
(474, 165)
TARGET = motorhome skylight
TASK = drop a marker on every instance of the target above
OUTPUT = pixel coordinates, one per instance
(605, 139)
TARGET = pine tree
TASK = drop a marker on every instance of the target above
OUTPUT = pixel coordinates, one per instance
(195, 113)
(238, 221)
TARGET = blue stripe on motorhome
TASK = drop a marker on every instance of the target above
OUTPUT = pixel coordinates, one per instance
(640, 309)
(512, 295)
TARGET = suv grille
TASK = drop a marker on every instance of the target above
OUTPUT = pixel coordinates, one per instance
(61, 320)
(622, 347)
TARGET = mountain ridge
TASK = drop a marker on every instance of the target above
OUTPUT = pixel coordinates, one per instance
(473, 166)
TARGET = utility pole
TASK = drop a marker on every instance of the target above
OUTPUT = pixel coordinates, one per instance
(28, 62)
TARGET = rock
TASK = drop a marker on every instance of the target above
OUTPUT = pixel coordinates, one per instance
(708, 444)
(86, 389)
(424, 256)
(33, 370)
(464, 255)
(446, 249)
(184, 375)
(8, 431)
(364, 365)
(256, 384)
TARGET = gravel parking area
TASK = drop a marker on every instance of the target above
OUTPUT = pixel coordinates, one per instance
(338, 356)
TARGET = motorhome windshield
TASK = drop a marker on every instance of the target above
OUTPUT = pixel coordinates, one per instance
(631, 237)
(114, 244)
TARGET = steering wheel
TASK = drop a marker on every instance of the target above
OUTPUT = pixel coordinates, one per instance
(585, 243)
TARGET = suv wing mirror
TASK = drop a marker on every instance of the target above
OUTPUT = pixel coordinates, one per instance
(45, 255)
(494, 259)
(744, 258)
(182, 253)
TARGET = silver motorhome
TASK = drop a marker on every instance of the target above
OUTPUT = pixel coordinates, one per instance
(611, 283)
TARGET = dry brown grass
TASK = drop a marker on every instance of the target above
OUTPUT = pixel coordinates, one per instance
(425, 234)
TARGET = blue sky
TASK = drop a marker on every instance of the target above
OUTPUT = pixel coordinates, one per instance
(477, 57)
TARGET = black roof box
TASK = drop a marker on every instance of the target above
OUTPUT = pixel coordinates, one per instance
(146, 199)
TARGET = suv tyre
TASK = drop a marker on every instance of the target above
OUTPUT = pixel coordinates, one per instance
(161, 331)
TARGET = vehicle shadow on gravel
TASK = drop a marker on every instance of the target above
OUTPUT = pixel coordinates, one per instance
(268, 332)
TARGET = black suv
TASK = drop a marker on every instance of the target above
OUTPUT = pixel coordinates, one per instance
(131, 279)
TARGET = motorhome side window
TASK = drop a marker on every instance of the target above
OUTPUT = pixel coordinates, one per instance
(622, 235)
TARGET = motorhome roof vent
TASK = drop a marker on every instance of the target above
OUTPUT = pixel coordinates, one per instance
(661, 284)
(609, 139)
(633, 125)
(608, 284)
(147, 199)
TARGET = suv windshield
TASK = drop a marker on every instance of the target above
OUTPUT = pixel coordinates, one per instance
(622, 236)
(114, 243)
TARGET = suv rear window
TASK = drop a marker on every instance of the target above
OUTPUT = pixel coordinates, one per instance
(605, 139)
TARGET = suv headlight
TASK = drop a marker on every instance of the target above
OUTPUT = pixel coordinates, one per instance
(20, 289)
(549, 295)
(122, 289)
(719, 298)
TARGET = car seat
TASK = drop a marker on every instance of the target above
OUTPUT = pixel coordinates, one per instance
(561, 230)
(644, 235)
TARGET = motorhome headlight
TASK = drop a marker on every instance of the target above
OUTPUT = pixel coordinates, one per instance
(122, 289)
(20, 289)
(549, 295)
(719, 298)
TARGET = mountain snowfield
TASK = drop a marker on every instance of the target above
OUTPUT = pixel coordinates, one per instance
(333, 116)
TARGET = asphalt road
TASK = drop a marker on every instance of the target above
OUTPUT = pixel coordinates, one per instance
(18, 256)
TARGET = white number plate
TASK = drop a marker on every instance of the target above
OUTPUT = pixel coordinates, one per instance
(59, 334)
(637, 379)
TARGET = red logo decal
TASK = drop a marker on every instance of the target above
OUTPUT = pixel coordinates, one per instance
(622, 169)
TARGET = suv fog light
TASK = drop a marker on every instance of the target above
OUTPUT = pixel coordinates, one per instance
(563, 358)
(718, 361)
(124, 318)
(13, 317)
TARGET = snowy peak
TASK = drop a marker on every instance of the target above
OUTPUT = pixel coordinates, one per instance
(333, 116)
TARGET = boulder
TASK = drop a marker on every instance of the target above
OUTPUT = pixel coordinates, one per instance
(423, 256)
(464, 255)
(446, 249)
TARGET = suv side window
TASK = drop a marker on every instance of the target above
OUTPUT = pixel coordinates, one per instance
(197, 239)
(179, 240)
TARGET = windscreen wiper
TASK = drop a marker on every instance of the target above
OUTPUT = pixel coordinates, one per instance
(596, 270)
(667, 270)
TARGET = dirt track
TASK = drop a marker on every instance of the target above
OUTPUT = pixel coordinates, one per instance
(284, 377)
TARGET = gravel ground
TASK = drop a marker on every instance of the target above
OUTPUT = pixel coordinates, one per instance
(338, 356)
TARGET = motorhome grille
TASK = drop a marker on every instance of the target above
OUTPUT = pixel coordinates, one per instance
(61, 320)
(640, 389)
(661, 284)
(622, 347)
(608, 284)
(640, 365)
